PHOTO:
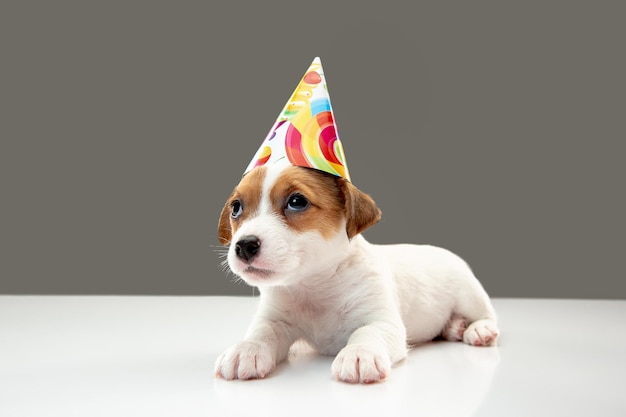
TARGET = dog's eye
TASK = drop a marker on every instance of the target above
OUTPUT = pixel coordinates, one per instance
(236, 209)
(297, 202)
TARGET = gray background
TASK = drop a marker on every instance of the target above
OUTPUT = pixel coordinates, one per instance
(494, 130)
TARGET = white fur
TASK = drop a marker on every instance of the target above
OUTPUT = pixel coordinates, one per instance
(350, 298)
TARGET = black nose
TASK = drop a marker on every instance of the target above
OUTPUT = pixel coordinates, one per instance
(247, 248)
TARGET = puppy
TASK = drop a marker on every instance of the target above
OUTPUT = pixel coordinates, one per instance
(294, 233)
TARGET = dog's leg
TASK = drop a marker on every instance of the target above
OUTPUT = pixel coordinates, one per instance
(266, 344)
(455, 328)
(483, 332)
(370, 352)
(482, 328)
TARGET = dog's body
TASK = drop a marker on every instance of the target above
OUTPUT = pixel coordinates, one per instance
(295, 234)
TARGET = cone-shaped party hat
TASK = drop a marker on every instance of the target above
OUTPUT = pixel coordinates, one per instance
(305, 133)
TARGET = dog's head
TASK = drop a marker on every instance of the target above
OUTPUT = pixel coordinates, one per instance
(284, 223)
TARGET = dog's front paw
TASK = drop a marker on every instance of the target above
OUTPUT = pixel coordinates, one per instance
(481, 333)
(246, 360)
(361, 364)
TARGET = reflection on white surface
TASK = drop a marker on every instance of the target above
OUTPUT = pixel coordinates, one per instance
(443, 379)
(154, 356)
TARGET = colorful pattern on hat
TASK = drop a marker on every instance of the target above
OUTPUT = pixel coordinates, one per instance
(305, 132)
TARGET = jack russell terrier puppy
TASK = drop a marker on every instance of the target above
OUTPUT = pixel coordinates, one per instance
(294, 233)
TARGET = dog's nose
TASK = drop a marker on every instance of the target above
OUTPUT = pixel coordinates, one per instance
(247, 248)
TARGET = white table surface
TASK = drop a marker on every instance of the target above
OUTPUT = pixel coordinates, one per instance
(153, 356)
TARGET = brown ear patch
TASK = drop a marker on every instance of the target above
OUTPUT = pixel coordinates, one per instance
(360, 209)
(224, 231)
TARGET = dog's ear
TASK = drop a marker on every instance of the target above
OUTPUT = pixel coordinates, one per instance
(224, 232)
(361, 210)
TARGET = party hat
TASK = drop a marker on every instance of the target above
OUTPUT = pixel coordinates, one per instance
(305, 133)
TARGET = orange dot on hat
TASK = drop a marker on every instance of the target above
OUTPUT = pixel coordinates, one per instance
(312, 77)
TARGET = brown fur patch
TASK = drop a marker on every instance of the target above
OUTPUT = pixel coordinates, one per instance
(330, 198)
(248, 192)
(361, 210)
(325, 200)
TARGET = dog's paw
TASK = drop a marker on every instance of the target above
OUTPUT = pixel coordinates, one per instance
(246, 360)
(361, 364)
(454, 329)
(481, 333)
